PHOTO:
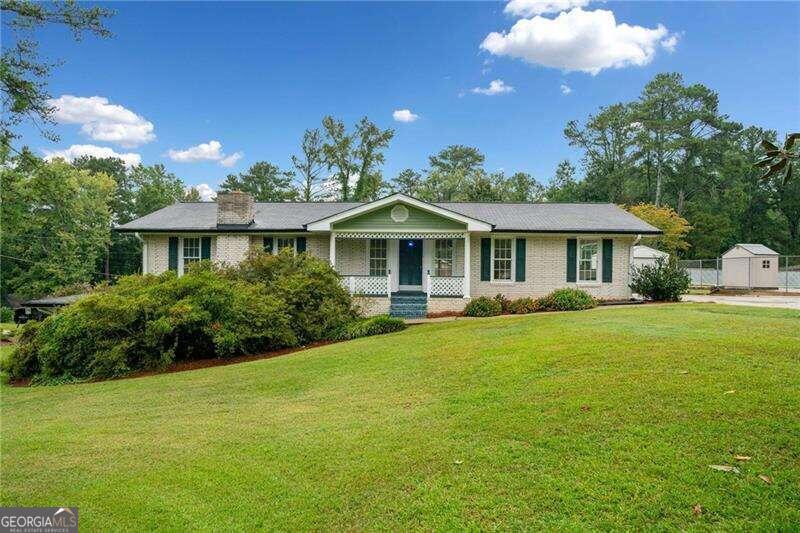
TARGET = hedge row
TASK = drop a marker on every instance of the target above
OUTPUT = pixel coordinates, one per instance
(148, 322)
(559, 300)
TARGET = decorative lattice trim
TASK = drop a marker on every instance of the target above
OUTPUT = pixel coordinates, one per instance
(366, 284)
(391, 235)
(446, 286)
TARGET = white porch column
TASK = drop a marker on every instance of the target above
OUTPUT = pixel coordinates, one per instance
(467, 261)
(333, 250)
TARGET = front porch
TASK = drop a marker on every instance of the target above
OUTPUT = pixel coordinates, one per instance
(379, 264)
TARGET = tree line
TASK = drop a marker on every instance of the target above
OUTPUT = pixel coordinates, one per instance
(669, 155)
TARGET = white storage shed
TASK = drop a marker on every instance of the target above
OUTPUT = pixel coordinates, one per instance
(644, 255)
(750, 266)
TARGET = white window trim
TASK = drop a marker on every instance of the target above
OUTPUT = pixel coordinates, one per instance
(434, 259)
(589, 283)
(513, 263)
(181, 270)
(367, 257)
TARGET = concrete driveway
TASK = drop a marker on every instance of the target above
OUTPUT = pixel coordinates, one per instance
(787, 302)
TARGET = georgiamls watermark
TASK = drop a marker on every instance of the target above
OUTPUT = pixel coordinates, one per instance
(38, 519)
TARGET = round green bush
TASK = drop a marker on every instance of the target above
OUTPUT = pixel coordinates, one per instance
(483, 306)
(664, 281)
(566, 300)
(318, 304)
(522, 306)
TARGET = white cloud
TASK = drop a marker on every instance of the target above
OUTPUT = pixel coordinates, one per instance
(207, 194)
(529, 8)
(404, 115)
(210, 151)
(587, 41)
(103, 121)
(565, 89)
(77, 150)
(230, 160)
(670, 43)
(495, 87)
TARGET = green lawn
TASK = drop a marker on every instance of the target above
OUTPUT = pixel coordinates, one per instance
(599, 419)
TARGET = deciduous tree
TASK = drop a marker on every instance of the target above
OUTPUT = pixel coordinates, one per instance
(265, 182)
(23, 74)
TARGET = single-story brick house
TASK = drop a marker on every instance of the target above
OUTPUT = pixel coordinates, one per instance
(407, 256)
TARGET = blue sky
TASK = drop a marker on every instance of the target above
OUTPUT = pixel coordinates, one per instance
(253, 76)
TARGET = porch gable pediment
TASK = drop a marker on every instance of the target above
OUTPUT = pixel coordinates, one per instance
(383, 215)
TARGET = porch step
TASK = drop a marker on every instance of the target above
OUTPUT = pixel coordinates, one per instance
(409, 305)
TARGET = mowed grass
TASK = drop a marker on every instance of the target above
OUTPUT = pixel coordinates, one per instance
(600, 419)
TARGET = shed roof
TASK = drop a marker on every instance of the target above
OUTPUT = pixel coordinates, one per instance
(757, 249)
(645, 252)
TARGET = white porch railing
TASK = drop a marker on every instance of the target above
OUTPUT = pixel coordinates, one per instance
(367, 285)
(445, 285)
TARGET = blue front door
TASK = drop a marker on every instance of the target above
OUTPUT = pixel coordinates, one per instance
(410, 262)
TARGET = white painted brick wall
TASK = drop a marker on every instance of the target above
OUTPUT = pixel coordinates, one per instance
(319, 246)
(546, 270)
(231, 249)
(157, 253)
(546, 263)
(351, 256)
(443, 305)
(371, 306)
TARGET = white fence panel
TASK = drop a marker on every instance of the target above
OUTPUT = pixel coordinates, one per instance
(446, 285)
(367, 285)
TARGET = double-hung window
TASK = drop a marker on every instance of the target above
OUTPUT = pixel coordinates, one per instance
(587, 260)
(502, 259)
(191, 250)
(443, 257)
(285, 242)
(377, 257)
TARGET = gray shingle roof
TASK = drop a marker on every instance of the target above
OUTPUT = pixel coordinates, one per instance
(541, 217)
(758, 249)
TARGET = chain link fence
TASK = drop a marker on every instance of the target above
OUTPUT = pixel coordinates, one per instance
(756, 272)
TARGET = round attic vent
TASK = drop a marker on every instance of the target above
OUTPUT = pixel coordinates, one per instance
(399, 213)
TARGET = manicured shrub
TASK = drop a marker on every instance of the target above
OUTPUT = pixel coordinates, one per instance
(317, 303)
(483, 306)
(566, 300)
(365, 327)
(504, 302)
(6, 314)
(522, 306)
(664, 281)
(147, 322)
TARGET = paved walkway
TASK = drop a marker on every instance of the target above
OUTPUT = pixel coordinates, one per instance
(787, 302)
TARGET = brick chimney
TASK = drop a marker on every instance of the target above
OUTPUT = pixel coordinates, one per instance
(235, 208)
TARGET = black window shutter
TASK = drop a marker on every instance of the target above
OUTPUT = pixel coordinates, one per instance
(173, 253)
(572, 260)
(301, 245)
(519, 275)
(486, 260)
(205, 248)
(608, 260)
(268, 244)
